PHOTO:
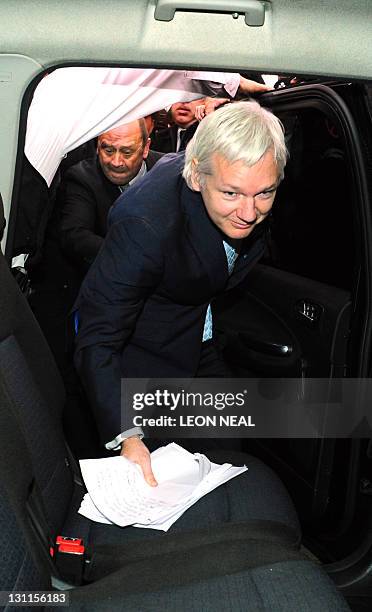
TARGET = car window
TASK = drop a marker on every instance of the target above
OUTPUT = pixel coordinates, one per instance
(312, 217)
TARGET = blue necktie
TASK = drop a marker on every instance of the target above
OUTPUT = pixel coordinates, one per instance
(231, 256)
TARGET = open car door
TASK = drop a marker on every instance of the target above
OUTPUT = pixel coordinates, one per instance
(303, 308)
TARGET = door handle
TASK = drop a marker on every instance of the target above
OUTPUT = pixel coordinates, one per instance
(263, 346)
(254, 10)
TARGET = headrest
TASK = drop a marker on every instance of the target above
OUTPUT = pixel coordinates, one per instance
(2, 218)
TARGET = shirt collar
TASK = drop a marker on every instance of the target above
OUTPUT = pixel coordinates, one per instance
(142, 171)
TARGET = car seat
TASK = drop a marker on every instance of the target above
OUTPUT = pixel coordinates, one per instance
(237, 549)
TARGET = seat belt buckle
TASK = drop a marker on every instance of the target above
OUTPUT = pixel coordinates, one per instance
(70, 557)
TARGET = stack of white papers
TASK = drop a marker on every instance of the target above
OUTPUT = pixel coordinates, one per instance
(118, 494)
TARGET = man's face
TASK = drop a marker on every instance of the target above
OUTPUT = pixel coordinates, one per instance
(121, 152)
(183, 113)
(238, 197)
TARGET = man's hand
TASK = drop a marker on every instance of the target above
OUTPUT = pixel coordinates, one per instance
(209, 106)
(134, 449)
(251, 87)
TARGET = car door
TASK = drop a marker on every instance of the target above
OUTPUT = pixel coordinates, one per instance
(303, 310)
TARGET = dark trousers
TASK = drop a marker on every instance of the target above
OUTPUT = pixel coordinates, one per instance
(211, 364)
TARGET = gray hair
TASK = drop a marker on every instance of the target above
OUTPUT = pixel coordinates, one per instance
(242, 131)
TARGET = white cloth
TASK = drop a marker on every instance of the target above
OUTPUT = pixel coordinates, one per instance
(73, 105)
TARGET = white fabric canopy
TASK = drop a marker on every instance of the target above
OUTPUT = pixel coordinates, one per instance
(72, 105)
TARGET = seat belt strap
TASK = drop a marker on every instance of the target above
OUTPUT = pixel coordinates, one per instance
(236, 546)
(74, 466)
(66, 556)
(40, 527)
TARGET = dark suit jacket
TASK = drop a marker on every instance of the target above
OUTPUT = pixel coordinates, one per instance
(165, 140)
(85, 198)
(143, 302)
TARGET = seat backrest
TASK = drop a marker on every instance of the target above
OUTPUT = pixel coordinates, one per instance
(22, 568)
(31, 442)
(32, 394)
(2, 218)
(24, 564)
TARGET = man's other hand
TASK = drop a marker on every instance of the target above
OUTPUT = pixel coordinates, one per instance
(134, 449)
(209, 106)
(246, 86)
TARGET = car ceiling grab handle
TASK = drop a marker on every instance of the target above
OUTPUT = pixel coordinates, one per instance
(254, 10)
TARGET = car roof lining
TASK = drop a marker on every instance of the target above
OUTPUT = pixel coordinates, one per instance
(325, 38)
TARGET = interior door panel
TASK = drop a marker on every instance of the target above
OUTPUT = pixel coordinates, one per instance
(277, 310)
(293, 316)
(274, 311)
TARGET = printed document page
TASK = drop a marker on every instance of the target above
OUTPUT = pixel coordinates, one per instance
(118, 493)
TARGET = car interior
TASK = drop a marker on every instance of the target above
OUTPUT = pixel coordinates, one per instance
(303, 314)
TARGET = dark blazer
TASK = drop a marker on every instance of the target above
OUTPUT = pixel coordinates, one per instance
(143, 302)
(165, 139)
(85, 198)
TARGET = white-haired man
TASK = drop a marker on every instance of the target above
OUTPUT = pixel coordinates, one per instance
(184, 234)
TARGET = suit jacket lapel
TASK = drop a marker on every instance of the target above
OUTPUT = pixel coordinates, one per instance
(252, 250)
(152, 158)
(173, 137)
(204, 238)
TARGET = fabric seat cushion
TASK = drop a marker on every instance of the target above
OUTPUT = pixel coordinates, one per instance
(289, 586)
(256, 494)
